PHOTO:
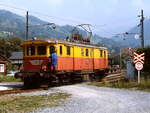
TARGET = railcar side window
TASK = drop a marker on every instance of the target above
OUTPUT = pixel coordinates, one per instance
(101, 53)
(68, 50)
(41, 50)
(82, 52)
(87, 52)
(30, 50)
(104, 54)
(60, 50)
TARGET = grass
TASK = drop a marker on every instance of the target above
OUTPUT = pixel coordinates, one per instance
(123, 84)
(22, 104)
(9, 79)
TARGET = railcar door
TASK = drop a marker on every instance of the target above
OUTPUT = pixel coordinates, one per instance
(88, 60)
(53, 58)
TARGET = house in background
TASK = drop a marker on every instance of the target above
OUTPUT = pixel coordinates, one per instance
(16, 59)
(3, 61)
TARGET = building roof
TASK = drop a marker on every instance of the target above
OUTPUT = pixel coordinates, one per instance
(16, 56)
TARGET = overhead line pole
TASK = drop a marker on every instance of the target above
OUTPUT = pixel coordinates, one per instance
(27, 25)
(142, 29)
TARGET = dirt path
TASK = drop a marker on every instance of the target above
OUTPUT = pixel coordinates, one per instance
(91, 99)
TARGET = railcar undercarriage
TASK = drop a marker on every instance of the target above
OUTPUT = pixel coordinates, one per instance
(48, 79)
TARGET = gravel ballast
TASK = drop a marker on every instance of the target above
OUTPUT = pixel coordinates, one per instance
(91, 99)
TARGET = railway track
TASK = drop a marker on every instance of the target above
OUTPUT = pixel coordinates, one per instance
(14, 91)
(111, 77)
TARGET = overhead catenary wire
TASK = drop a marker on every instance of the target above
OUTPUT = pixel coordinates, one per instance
(40, 14)
(46, 15)
(95, 27)
(8, 6)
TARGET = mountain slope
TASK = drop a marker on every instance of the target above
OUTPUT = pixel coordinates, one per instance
(14, 25)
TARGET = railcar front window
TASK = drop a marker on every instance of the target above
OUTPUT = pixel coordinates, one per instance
(30, 50)
(41, 50)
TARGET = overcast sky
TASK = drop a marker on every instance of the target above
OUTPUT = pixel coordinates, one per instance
(108, 17)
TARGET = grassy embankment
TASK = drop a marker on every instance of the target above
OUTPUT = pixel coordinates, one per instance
(9, 79)
(123, 84)
(22, 104)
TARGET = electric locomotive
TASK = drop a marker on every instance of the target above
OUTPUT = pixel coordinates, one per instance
(76, 62)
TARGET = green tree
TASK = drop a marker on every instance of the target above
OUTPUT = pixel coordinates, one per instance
(15, 43)
(9, 45)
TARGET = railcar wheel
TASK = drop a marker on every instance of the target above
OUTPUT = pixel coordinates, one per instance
(31, 83)
(100, 75)
(92, 77)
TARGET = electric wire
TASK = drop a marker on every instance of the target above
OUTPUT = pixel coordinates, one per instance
(95, 27)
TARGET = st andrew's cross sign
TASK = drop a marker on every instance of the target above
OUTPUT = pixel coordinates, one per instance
(139, 58)
(139, 61)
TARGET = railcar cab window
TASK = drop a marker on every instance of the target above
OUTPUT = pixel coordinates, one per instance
(68, 50)
(87, 52)
(60, 50)
(41, 50)
(52, 49)
(30, 50)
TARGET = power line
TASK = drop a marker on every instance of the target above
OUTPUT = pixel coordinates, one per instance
(45, 15)
(59, 18)
(12, 7)
(49, 16)
(54, 17)
(101, 28)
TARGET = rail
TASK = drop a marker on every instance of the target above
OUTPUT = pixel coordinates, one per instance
(14, 91)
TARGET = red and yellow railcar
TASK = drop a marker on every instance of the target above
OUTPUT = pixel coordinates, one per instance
(74, 60)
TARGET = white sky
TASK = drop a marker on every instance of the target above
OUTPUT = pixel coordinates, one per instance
(108, 17)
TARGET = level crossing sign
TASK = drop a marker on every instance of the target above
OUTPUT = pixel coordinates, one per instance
(139, 61)
(139, 58)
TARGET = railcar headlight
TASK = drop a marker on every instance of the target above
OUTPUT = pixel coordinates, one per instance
(44, 67)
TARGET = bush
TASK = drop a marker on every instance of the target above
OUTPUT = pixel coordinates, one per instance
(146, 69)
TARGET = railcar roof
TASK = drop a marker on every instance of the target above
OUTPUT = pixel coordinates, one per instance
(56, 41)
